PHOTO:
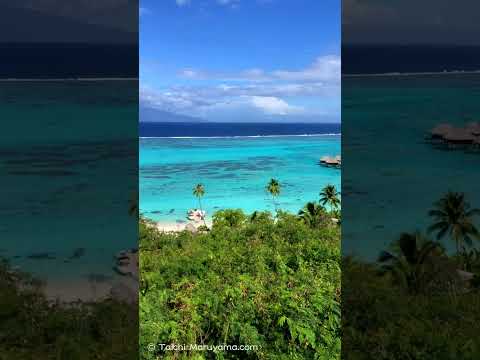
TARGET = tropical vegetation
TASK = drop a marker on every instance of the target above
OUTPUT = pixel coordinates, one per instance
(32, 327)
(453, 217)
(274, 188)
(419, 300)
(271, 281)
(330, 196)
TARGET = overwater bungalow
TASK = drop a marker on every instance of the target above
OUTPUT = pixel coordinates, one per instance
(439, 131)
(473, 128)
(331, 161)
(456, 137)
(459, 136)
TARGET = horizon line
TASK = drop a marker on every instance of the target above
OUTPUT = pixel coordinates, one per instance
(237, 122)
(70, 79)
(419, 73)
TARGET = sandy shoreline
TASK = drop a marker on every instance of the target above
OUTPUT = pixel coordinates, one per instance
(172, 226)
(68, 291)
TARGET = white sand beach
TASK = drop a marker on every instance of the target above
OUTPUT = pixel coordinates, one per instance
(122, 288)
(80, 289)
(171, 226)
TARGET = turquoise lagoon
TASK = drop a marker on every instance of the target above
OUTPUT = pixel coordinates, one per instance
(391, 176)
(69, 167)
(234, 171)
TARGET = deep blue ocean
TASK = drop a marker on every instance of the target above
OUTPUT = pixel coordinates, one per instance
(234, 129)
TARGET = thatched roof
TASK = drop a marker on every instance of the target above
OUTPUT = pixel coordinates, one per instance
(441, 129)
(331, 160)
(459, 135)
(473, 128)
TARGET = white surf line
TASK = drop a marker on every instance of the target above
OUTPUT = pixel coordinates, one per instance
(238, 136)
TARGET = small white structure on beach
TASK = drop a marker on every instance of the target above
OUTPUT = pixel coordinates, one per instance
(196, 214)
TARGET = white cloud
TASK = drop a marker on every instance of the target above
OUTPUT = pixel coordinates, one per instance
(273, 106)
(253, 93)
(324, 68)
(208, 104)
(193, 74)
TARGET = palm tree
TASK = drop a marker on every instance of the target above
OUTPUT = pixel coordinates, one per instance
(453, 216)
(274, 188)
(312, 214)
(408, 261)
(198, 192)
(329, 195)
(133, 209)
(470, 259)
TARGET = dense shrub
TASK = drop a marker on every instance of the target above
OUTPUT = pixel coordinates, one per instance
(33, 328)
(382, 320)
(256, 280)
(414, 303)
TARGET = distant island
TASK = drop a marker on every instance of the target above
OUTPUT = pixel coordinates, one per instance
(151, 115)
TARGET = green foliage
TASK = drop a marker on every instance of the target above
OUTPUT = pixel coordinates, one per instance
(33, 328)
(412, 262)
(380, 320)
(274, 188)
(198, 191)
(133, 208)
(453, 216)
(273, 283)
(229, 218)
(314, 215)
(417, 306)
(330, 196)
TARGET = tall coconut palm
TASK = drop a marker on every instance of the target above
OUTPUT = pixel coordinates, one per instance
(409, 261)
(312, 214)
(453, 216)
(470, 259)
(329, 195)
(198, 192)
(274, 188)
(133, 209)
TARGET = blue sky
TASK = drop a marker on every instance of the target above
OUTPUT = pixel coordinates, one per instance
(242, 60)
